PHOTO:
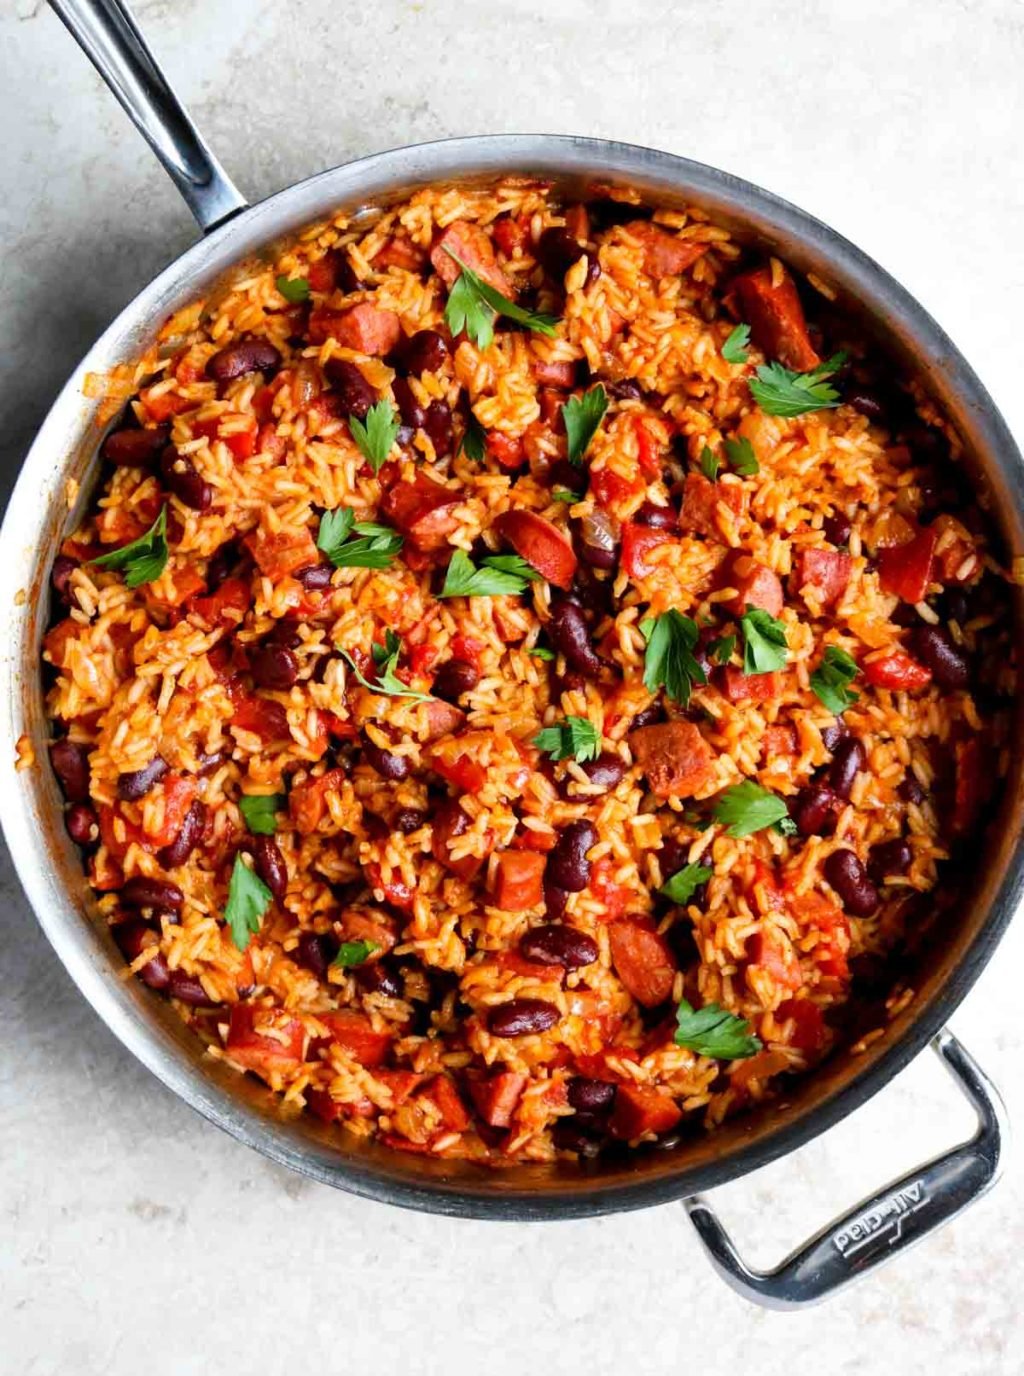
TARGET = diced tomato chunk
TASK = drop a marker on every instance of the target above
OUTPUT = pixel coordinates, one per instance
(279, 553)
(809, 1025)
(441, 1089)
(401, 1083)
(473, 249)
(114, 826)
(769, 303)
(422, 511)
(307, 802)
(611, 489)
(906, 570)
(518, 880)
(265, 1040)
(507, 450)
(638, 1111)
(57, 639)
(225, 607)
(898, 672)
(495, 1098)
(179, 791)
(510, 234)
(263, 716)
(664, 254)
(823, 572)
(400, 252)
(756, 586)
(465, 647)
(528, 838)
(540, 544)
(395, 890)
(675, 757)
(163, 405)
(701, 498)
(614, 897)
(637, 542)
(740, 687)
(778, 741)
(356, 1034)
(642, 959)
(773, 952)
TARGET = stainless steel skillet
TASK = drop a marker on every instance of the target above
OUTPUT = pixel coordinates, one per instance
(30, 806)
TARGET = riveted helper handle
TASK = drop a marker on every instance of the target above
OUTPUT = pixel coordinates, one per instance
(883, 1225)
(109, 37)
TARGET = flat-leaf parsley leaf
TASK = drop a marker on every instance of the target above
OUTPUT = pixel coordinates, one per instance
(741, 456)
(747, 807)
(500, 573)
(248, 899)
(682, 885)
(385, 659)
(829, 681)
(734, 350)
(375, 437)
(711, 1031)
(293, 289)
(260, 811)
(576, 736)
(474, 305)
(780, 392)
(354, 953)
(582, 416)
(668, 661)
(764, 641)
(143, 559)
(375, 546)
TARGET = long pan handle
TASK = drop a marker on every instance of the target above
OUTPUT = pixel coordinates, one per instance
(109, 37)
(880, 1227)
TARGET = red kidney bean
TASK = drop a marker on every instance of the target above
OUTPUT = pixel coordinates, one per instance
(268, 862)
(316, 577)
(189, 989)
(889, 857)
(378, 978)
(568, 1135)
(438, 427)
(848, 877)
(135, 448)
(184, 480)
(627, 389)
(316, 952)
(131, 938)
(412, 412)
(82, 824)
(597, 543)
(866, 403)
(352, 389)
(568, 632)
(388, 766)
(555, 899)
(159, 895)
(934, 648)
(522, 1017)
(568, 866)
(138, 782)
(657, 517)
(832, 735)
(848, 759)
(222, 561)
(60, 575)
(209, 762)
(284, 634)
(555, 944)
(455, 677)
(562, 473)
(409, 819)
(423, 352)
(590, 1096)
(71, 766)
(557, 250)
(188, 837)
(606, 772)
(954, 605)
(910, 789)
(814, 810)
(247, 356)
(648, 716)
(273, 666)
(593, 271)
(838, 528)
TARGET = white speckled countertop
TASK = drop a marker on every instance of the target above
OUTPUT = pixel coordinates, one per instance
(137, 1237)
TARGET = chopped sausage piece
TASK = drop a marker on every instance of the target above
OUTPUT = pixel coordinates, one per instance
(825, 572)
(642, 959)
(422, 511)
(561, 374)
(518, 880)
(664, 254)
(740, 687)
(355, 1034)
(701, 499)
(773, 952)
(495, 1098)
(472, 246)
(279, 553)
(637, 543)
(366, 328)
(264, 1040)
(906, 570)
(674, 756)
(540, 544)
(772, 309)
(440, 719)
(638, 1111)
(756, 586)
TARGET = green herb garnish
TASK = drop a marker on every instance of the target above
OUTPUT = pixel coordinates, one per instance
(143, 559)
(781, 392)
(734, 350)
(375, 437)
(582, 416)
(500, 573)
(541, 652)
(576, 737)
(710, 463)
(668, 660)
(722, 648)
(742, 458)
(829, 680)
(681, 887)
(747, 807)
(260, 811)
(354, 953)
(248, 899)
(293, 289)
(375, 546)
(564, 495)
(474, 440)
(385, 659)
(764, 642)
(711, 1031)
(474, 305)
(785, 826)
